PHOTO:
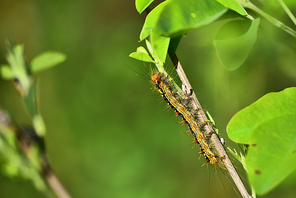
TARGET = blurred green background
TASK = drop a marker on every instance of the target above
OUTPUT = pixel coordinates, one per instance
(108, 133)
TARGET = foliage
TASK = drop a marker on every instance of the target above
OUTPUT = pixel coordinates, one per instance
(103, 137)
(22, 147)
(269, 121)
(268, 126)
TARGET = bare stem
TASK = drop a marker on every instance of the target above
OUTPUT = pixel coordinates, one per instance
(56, 186)
(208, 127)
(287, 10)
(274, 21)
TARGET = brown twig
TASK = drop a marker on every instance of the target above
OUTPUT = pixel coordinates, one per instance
(27, 137)
(56, 186)
(209, 129)
(52, 180)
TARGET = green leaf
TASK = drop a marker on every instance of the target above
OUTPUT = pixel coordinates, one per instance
(151, 20)
(6, 72)
(16, 60)
(158, 63)
(158, 49)
(46, 60)
(141, 5)
(161, 45)
(268, 126)
(179, 16)
(175, 17)
(142, 49)
(233, 5)
(234, 51)
(141, 55)
(39, 125)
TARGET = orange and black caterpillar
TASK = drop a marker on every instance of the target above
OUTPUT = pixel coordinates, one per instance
(164, 86)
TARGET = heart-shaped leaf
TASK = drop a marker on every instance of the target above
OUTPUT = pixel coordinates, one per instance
(234, 51)
(141, 55)
(268, 126)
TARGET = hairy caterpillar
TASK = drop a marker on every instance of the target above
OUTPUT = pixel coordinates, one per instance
(164, 86)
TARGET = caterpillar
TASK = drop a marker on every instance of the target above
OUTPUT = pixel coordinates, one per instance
(164, 86)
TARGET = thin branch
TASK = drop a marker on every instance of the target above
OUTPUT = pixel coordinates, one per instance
(287, 10)
(56, 186)
(28, 140)
(274, 21)
(52, 180)
(209, 129)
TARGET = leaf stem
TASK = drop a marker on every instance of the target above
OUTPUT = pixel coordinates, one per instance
(271, 19)
(287, 10)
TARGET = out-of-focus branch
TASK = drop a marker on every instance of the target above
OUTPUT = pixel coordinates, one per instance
(24, 150)
(57, 186)
(23, 146)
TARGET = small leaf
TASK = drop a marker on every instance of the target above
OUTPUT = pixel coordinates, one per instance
(158, 63)
(161, 45)
(179, 16)
(233, 5)
(39, 125)
(6, 72)
(158, 49)
(141, 56)
(46, 60)
(142, 49)
(268, 127)
(151, 20)
(234, 51)
(16, 60)
(141, 5)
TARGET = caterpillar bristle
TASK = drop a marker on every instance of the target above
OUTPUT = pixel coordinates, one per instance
(180, 105)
